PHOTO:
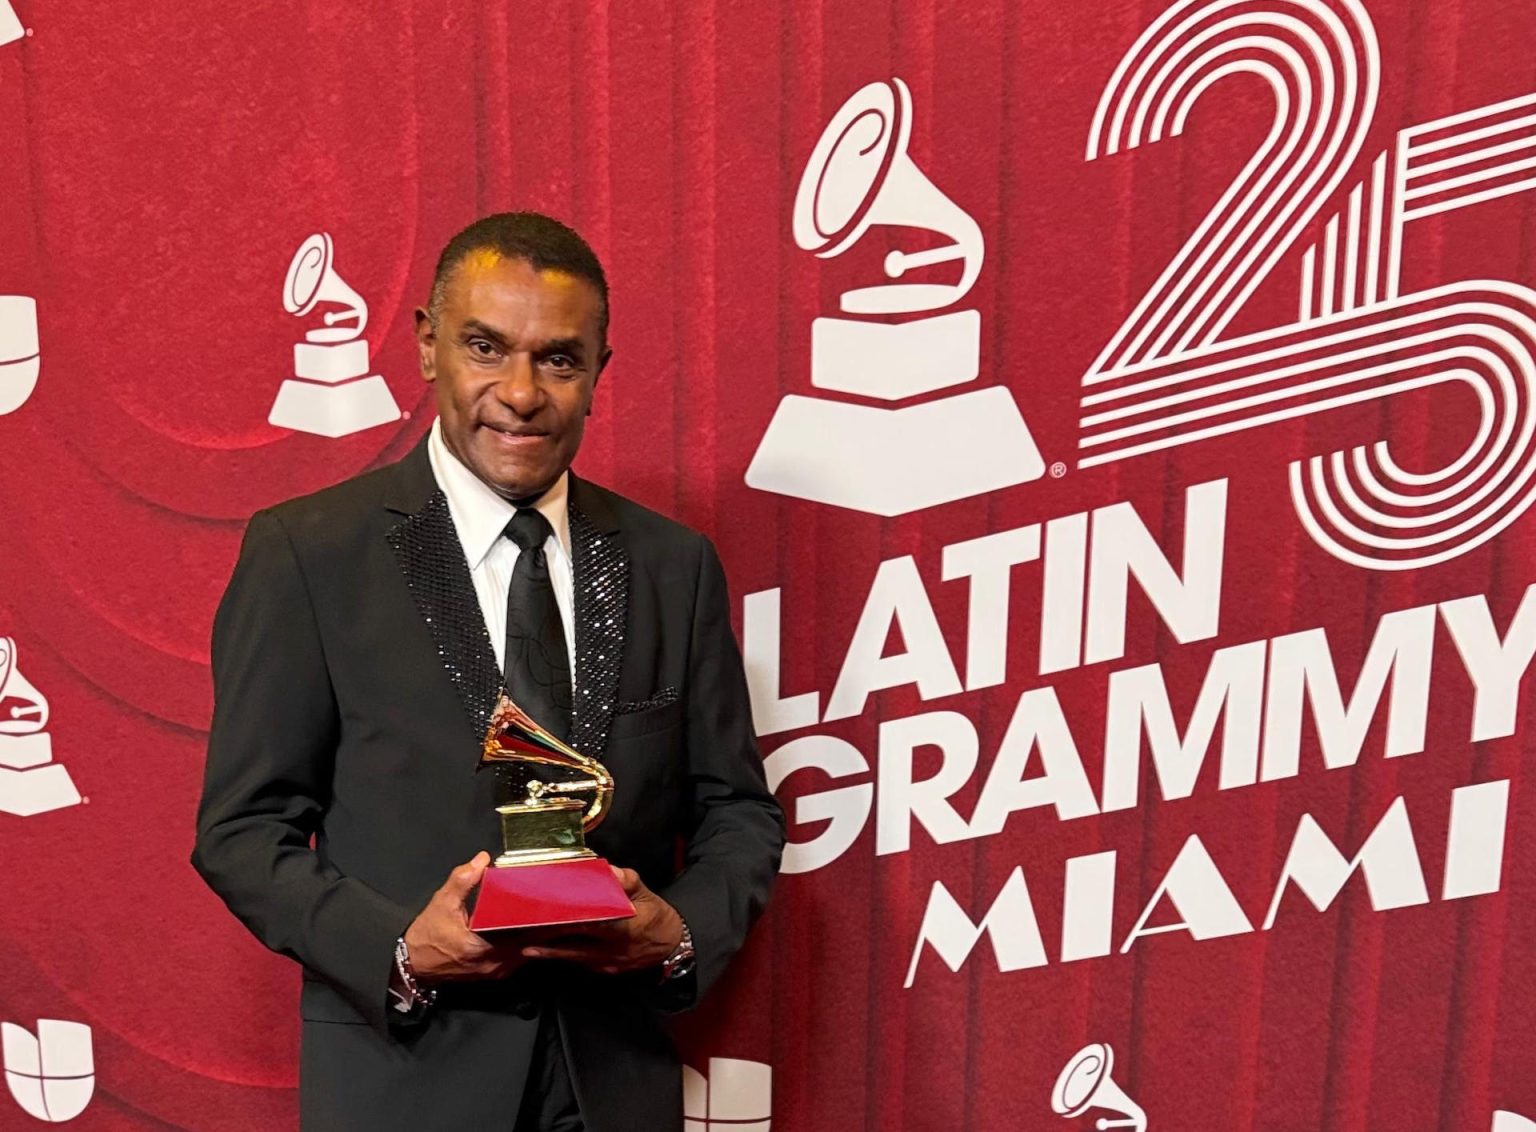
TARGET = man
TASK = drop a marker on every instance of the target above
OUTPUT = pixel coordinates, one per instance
(362, 643)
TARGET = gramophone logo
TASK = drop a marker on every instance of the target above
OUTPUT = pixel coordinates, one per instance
(331, 393)
(737, 1096)
(51, 1075)
(1086, 1084)
(19, 356)
(906, 340)
(30, 781)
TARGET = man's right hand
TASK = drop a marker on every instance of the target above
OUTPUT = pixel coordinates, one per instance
(442, 947)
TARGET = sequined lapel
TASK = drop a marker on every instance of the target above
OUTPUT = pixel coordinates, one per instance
(427, 548)
(601, 568)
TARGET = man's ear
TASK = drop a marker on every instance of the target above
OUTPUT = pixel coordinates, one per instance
(426, 344)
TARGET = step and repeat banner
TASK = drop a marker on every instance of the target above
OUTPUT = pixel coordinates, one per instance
(1118, 422)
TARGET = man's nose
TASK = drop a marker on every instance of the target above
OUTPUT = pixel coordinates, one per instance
(519, 387)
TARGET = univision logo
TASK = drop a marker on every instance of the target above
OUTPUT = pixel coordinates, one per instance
(51, 1074)
(736, 1096)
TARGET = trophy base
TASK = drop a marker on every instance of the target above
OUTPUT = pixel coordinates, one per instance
(895, 461)
(334, 410)
(331, 363)
(23, 752)
(10, 31)
(25, 793)
(578, 891)
(896, 360)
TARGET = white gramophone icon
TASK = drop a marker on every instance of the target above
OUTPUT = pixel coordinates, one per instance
(889, 461)
(19, 356)
(30, 781)
(331, 393)
(1086, 1083)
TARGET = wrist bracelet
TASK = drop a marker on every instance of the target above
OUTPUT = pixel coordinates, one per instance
(680, 962)
(416, 996)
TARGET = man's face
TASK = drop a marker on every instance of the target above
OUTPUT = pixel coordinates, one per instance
(515, 357)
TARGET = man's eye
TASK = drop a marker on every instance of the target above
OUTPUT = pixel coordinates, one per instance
(482, 348)
(560, 362)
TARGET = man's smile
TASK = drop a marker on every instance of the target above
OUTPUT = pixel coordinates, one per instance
(515, 435)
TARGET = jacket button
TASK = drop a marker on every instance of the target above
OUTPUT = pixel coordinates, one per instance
(526, 1009)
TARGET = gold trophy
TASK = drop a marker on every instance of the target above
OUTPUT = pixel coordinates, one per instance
(545, 875)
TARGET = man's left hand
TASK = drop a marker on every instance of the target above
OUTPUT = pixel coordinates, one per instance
(636, 943)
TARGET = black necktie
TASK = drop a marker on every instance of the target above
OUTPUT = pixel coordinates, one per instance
(537, 667)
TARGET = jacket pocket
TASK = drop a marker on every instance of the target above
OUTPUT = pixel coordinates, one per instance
(630, 724)
(661, 699)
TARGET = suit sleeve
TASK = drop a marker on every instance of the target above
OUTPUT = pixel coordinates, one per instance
(737, 837)
(266, 785)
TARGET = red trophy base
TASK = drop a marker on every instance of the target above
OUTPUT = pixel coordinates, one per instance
(560, 892)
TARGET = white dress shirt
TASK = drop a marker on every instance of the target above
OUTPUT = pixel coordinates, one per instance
(480, 516)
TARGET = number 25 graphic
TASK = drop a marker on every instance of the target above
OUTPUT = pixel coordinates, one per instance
(1169, 377)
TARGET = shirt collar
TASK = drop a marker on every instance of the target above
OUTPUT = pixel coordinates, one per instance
(479, 514)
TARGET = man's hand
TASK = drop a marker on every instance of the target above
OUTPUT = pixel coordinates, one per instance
(641, 941)
(441, 945)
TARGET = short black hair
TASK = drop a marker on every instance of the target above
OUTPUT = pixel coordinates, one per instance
(540, 241)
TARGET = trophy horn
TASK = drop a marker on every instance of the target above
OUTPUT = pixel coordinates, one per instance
(1085, 1083)
(30, 713)
(860, 175)
(516, 738)
(312, 279)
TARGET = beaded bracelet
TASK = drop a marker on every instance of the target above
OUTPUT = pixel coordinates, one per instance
(416, 997)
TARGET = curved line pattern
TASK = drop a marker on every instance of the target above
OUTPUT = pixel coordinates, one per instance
(1359, 505)
(1162, 381)
(1324, 69)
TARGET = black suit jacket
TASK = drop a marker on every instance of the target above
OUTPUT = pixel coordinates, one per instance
(353, 681)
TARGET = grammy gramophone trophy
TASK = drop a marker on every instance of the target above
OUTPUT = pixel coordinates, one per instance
(545, 874)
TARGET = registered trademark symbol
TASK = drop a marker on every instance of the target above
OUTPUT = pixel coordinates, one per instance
(1058, 469)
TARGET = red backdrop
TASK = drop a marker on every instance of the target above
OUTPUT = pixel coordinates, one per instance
(166, 160)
